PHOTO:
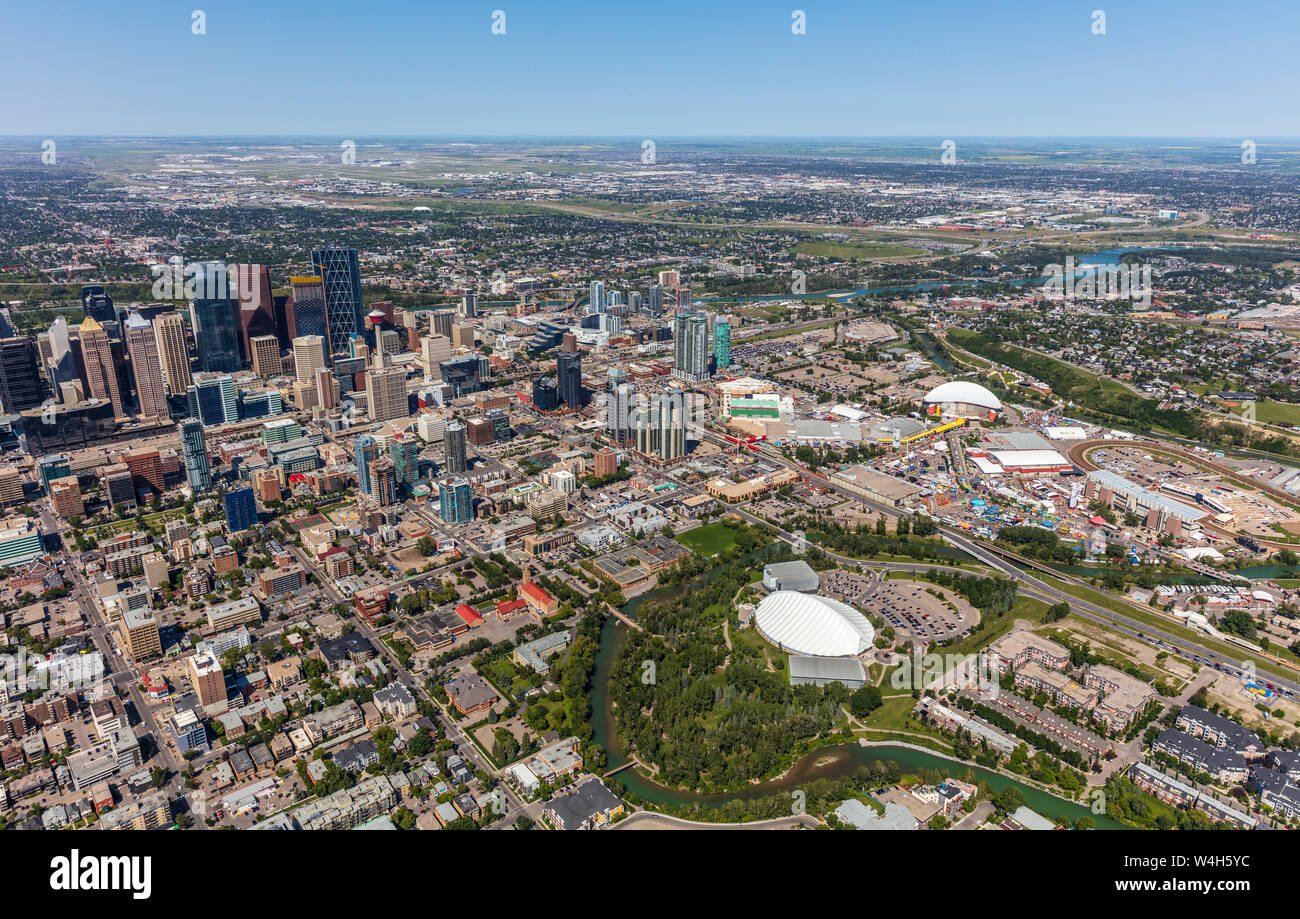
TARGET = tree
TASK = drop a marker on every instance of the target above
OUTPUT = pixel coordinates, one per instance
(865, 701)
(1056, 612)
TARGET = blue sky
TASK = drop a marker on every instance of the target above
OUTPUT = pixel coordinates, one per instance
(644, 69)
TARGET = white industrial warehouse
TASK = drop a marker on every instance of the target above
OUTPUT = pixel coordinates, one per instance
(813, 626)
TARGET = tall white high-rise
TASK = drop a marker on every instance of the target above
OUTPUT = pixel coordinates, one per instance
(386, 393)
(308, 357)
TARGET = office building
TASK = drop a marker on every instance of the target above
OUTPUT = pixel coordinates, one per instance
(308, 357)
(256, 306)
(173, 352)
(265, 351)
(568, 378)
(327, 389)
(386, 394)
(213, 400)
(97, 303)
(214, 316)
(434, 349)
(52, 466)
(340, 273)
(20, 383)
(546, 394)
(309, 307)
(142, 345)
(241, 509)
(440, 323)
(101, 372)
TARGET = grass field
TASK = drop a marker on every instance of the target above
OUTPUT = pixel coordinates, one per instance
(1268, 412)
(709, 539)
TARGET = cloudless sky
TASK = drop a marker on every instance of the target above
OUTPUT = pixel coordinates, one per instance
(646, 68)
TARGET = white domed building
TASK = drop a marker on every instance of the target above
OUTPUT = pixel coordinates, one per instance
(813, 626)
(963, 399)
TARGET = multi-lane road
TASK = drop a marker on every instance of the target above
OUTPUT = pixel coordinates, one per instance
(1160, 638)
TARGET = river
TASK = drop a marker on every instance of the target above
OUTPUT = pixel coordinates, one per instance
(1101, 259)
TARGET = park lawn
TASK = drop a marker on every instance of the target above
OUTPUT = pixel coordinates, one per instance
(892, 716)
(503, 673)
(709, 539)
(1027, 608)
(1269, 412)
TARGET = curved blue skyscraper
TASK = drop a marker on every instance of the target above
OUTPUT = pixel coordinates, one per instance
(340, 275)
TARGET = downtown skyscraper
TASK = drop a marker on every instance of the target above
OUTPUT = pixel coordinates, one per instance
(659, 427)
(214, 316)
(308, 357)
(101, 372)
(454, 457)
(173, 352)
(340, 274)
(367, 451)
(568, 377)
(619, 406)
(256, 306)
(142, 345)
(309, 306)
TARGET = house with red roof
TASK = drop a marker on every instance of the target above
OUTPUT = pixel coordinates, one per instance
(509, 609)
(469, 615)
(538, 599)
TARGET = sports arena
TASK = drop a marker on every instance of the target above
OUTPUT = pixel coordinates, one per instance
(962, 399)
(814, 626)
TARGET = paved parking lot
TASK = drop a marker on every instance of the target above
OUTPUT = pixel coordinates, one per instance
(914, 611)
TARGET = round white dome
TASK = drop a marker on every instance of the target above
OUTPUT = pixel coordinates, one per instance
(964, 392)
(813, 625)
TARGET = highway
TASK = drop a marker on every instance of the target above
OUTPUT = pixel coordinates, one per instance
(1030, 585)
